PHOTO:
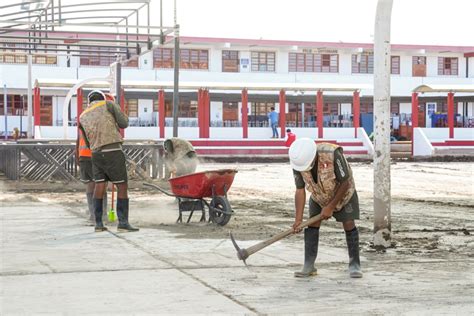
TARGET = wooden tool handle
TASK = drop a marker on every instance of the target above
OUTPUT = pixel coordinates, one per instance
(253, 249)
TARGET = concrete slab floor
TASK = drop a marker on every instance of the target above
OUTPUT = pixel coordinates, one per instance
(52, 263)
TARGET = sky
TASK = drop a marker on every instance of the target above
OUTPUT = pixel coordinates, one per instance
(428, 22)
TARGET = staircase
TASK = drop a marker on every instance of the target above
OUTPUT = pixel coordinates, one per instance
(268, 148)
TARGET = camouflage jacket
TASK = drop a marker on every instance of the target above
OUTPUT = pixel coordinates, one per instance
(326, 187)
(101, 122)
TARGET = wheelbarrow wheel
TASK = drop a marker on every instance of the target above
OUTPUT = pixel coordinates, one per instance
(219, 210)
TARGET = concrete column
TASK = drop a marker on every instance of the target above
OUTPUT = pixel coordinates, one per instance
(382, 220)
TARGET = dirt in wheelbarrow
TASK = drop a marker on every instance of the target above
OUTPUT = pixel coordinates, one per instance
(432, 206)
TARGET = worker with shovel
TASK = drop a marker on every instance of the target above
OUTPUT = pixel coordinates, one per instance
(100, 123)
(325, 173)
(180, 157)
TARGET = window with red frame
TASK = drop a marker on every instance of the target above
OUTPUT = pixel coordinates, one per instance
(263, 61)
(194, 59)
(102, 56)
(363, 64)
(395, 65)
(419, 66)
(230, 61)
(448, 66)
(307, 62)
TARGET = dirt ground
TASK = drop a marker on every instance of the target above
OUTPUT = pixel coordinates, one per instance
(432, 207)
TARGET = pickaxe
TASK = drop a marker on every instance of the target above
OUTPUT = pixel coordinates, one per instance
(243, 254)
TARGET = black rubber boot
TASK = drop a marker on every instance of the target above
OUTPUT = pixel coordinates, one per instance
(105, 218)
(311, 241)
(90, 206)
(352, 238)
(98, 210)
(122, 214)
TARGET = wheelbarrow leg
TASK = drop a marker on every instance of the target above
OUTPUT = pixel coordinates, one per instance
(190, 215)
(203, 214)
(180, 217)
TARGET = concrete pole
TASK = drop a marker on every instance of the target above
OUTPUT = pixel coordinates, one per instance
(5, 109)
(30, 99)
(176, 72)
(382, 220)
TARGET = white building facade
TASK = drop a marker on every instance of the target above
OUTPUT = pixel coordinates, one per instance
(242, 61)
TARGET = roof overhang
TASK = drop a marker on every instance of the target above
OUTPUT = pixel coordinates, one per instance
(157, 85)
(466, 88)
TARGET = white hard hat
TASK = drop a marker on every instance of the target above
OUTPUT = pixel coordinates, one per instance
(94, 93)
(302, 153)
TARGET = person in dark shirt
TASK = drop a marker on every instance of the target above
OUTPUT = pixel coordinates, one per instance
(323, 170)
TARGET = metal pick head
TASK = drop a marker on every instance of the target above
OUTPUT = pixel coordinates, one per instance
(241, 253)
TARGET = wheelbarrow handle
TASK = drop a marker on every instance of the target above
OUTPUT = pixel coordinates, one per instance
(158, 188)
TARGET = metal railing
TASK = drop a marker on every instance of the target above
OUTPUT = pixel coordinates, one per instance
(45, 161)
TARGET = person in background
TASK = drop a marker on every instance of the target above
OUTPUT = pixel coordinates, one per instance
(84, 154)
(325, 173)
(290, 138)
(273, 117)
(180, 157)
(100, 123)
(16, 134)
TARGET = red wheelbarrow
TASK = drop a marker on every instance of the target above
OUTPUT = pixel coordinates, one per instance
(192, 189)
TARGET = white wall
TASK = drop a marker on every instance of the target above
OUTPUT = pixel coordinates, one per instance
(346, 108)
(184, 132)
(333, 133)
(145, 110)
(150, 133)
(421, 144)
(216, 111)
(14, 121)
(405, 108)
(225, 133)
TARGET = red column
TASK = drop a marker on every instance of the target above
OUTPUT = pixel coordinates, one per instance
(122, 107)
(79, 104)
(161, 112)
(451, 114)
(282, 117)
(319, 111)
(356, 110)
(414, 111)
(245, 114)
(414, 117)
(200, 112)
(207, 113)
(36, 106)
